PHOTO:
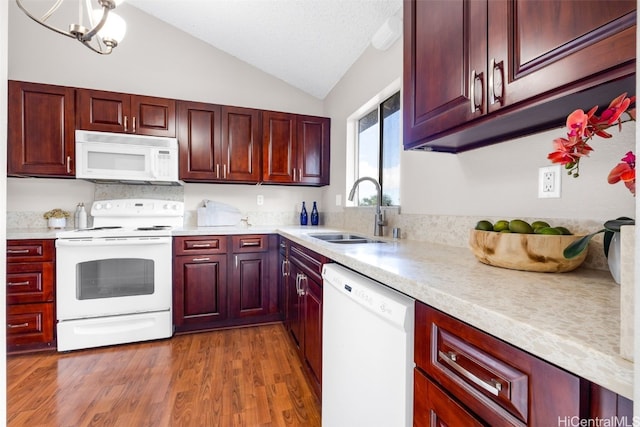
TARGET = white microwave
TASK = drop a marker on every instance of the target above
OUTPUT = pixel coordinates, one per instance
(126, 158)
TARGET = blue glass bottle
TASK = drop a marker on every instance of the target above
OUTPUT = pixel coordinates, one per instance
(314, 215)
(303, 215)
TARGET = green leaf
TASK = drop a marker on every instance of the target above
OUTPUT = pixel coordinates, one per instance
(575, 248)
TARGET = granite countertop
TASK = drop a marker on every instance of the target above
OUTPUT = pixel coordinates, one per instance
(569, 319)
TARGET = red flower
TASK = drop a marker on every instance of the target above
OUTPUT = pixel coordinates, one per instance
(583, 126)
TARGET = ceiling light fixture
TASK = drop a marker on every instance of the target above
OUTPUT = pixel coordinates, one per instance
(106, 29)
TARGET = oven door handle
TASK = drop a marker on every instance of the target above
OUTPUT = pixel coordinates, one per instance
(113, 242)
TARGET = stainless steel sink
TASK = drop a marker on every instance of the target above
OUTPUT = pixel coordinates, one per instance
(343, 238)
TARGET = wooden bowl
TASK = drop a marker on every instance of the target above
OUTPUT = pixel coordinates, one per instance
(528, 252)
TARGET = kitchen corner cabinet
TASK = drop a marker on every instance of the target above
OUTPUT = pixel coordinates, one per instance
(41, 130)
(30, 295)
(199, 282)
(466, 377)
(296, 149)
(499, 69)
(119, 112)
(219, 143)
(302, 270)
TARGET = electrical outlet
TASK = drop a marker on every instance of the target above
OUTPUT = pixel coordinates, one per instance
(260, 200)
(549, 182)
(338, 199)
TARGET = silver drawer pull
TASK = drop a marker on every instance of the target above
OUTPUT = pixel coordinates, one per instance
(17, 283)
(243, 244)
(202, 245)
(201, 259)
(451, 359)
(17, 251)
(19, 325)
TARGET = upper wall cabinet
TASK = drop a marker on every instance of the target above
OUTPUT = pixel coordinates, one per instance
(119, 112)
(295, 149)
(219, 143)
(497, 69)
(41, 124)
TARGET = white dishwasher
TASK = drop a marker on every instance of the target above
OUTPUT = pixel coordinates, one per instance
(367, 352)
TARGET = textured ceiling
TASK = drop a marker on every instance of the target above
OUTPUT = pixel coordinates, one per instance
(309, 44)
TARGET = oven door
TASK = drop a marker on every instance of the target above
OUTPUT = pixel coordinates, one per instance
(112, 276)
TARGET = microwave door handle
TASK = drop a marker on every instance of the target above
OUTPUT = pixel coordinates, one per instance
(154, 163)
(112, 242)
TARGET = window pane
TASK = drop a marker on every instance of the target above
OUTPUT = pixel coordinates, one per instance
(391, 150)
(368, 156)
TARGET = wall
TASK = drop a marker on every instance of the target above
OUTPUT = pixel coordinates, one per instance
(153, 59)
(3, 205)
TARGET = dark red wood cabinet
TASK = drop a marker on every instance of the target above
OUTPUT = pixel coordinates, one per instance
(219, 143)
(466, 377)
(302, 274)
(125, 113)
(30, 323)
(497, 69)
(41, 130)
(295, 149)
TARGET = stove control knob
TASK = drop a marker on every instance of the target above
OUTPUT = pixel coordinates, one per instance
(108, 206)
(97, 206)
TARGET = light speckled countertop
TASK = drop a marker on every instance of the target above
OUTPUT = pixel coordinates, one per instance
(569, 319)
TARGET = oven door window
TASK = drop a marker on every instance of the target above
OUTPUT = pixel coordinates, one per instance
(114, 277)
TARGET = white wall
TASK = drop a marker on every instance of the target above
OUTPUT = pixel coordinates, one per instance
(499, 180)
(3, 206)
(153, 59)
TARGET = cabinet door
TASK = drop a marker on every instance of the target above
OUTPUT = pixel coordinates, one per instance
(444, 62)
(153, 116)
(313, 150)
(103, 111)
(313, 327)
(199, 140)
(538, 47)
(41, 130)
(434, 408)
(279, 147)
(249, 285)
(294, 315)
(199, 290)
(241, 152)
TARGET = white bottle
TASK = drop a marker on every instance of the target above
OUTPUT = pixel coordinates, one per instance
(82, 217)
(76, 216)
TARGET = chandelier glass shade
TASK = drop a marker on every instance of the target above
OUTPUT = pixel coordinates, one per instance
(103, 31)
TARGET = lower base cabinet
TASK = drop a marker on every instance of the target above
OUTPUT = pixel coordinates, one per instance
(466, 377)
(223, 281)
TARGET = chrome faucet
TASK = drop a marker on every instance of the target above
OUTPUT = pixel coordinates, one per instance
(379, 220)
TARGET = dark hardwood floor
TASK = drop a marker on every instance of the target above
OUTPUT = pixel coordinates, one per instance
(237, 377)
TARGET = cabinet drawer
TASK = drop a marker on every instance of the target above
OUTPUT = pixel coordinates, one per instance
(309, 262)
(29, 282)
(433, 407)
(503, 385)
(250, 243)
(29, 324)
(200, 245)
(30, 250)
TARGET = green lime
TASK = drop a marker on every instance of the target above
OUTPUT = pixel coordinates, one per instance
(505, 231)
(501, 225)
(539, 224)
(564, 230)
(484, 225)
(550, 230)
(520, 226)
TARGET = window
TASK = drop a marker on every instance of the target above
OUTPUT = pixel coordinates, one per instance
(377, 153)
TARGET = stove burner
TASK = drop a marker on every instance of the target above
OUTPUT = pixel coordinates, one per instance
(154, 227)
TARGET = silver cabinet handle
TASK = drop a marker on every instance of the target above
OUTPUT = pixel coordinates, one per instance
(282, 266)
(492, 74)
(451, 359)
(17, 251)
(217, 170)
(245, 244)
(201, 259)
(126, 124)
(68, 164)
(134, 124)
(472, 91)
(294, 174)
(19, 325)
(17, 283)
(202, 245)
(236, 257)
(224, 171)
(300, 174)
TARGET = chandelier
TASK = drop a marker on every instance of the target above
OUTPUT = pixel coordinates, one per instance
(105, 30)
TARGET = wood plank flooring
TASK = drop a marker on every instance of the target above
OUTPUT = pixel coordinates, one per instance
(238, 377)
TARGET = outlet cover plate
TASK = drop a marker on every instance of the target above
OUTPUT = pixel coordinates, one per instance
(549, 182)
